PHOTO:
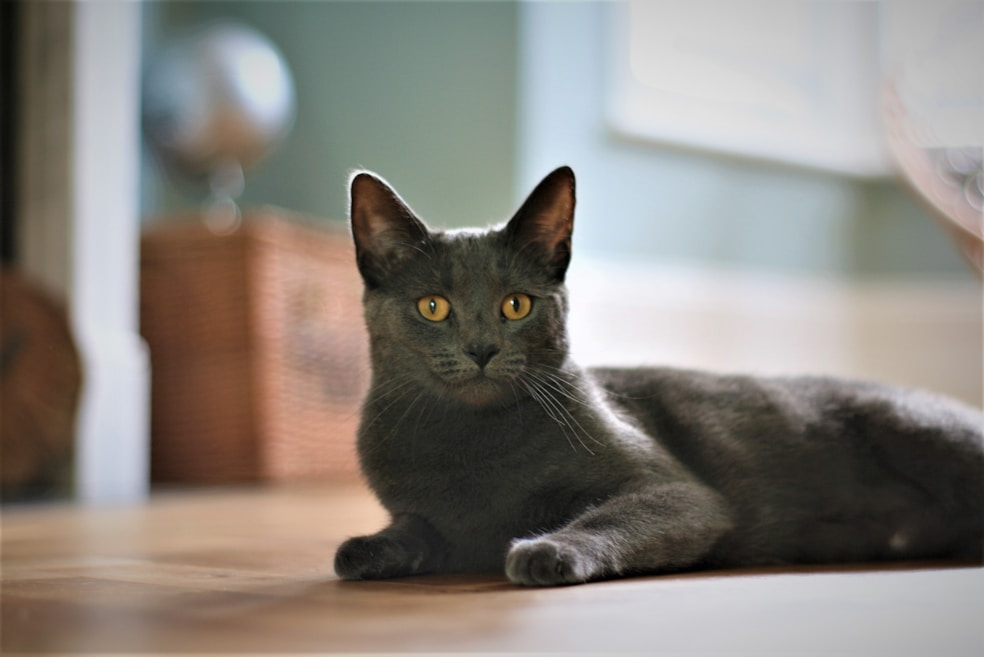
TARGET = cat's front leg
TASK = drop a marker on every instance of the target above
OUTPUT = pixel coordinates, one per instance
(653, 529)
(408, 546)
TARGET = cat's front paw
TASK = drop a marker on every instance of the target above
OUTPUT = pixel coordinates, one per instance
(547, 561)
(372, 557)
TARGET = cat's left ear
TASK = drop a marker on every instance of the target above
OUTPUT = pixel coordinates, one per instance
(385, 229)
(543, 225)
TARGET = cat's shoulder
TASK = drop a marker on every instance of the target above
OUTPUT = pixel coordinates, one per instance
(646, 381)
(804, 394)
(654, 380)
(649, 388)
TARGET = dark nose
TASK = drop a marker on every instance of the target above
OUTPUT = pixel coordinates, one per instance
(481, 353)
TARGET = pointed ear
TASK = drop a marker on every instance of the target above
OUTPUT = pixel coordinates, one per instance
(544, 223)
(385, 229)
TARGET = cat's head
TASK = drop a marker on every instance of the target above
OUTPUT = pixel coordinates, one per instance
(473, 316)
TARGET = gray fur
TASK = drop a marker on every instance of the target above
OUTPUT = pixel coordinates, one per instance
(556, 475)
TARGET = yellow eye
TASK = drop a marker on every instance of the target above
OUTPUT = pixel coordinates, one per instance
(434, 307)
(516, 306)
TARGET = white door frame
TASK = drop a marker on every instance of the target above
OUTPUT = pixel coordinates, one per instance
(79, 221)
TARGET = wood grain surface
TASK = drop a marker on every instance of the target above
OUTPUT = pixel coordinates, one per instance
(241, 571)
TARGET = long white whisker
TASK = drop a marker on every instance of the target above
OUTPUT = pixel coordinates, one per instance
(561, 415)
(406, 412)
(384, 390)
(556, 383)
(553, 383)
(580, 395)
(546, 401)
(401, 388)
(539, 397)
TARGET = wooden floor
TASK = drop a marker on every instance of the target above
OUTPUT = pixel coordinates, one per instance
(249, 571)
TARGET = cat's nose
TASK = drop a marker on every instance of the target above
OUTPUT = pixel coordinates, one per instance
(481, 353)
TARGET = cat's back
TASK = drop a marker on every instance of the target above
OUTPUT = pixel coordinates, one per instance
(683, 406)
(797, 428)
(794, 454)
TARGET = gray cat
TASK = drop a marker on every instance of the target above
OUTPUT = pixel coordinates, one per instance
(493, 451)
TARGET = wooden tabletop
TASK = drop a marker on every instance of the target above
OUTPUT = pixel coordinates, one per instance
(249, 571)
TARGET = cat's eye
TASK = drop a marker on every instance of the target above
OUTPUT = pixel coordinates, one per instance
(433, 307)
(516, 306)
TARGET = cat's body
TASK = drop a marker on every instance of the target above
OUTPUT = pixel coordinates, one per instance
(493, 451)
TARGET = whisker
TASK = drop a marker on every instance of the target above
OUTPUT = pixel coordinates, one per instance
(561, 414)
(553, 383)
(426, 406)
(383, 389)
(557, 384)
(546, 401)
(406, 412)
(611, 393)
(539, 398)
(390, 391)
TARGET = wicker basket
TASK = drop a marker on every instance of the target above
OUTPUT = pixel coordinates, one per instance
(258, 350)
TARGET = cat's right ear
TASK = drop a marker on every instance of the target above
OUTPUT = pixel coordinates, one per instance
(543, 225)
(385, 229)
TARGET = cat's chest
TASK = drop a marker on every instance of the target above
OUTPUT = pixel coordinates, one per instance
(472, 474)
(467, 464)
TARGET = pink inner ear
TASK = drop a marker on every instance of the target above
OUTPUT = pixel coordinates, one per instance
(548, 212)
(556, 221)
(376, 208)
(383, 225)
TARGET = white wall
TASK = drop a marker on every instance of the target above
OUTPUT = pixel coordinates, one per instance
(924, 334)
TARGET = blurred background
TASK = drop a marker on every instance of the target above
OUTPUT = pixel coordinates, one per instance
(763, 186)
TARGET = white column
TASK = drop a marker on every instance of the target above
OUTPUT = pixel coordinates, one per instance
(79, 221)
(113, 430)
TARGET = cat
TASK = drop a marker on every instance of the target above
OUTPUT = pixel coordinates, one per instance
(494, 452)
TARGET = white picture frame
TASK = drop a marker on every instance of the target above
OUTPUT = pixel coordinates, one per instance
(794, 82)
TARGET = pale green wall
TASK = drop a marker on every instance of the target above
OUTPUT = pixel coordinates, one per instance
(424, 93)
(464, 105)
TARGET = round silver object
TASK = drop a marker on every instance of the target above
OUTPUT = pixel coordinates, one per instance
(223, 96)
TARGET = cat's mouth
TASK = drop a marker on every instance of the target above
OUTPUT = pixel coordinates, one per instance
(479, 388)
